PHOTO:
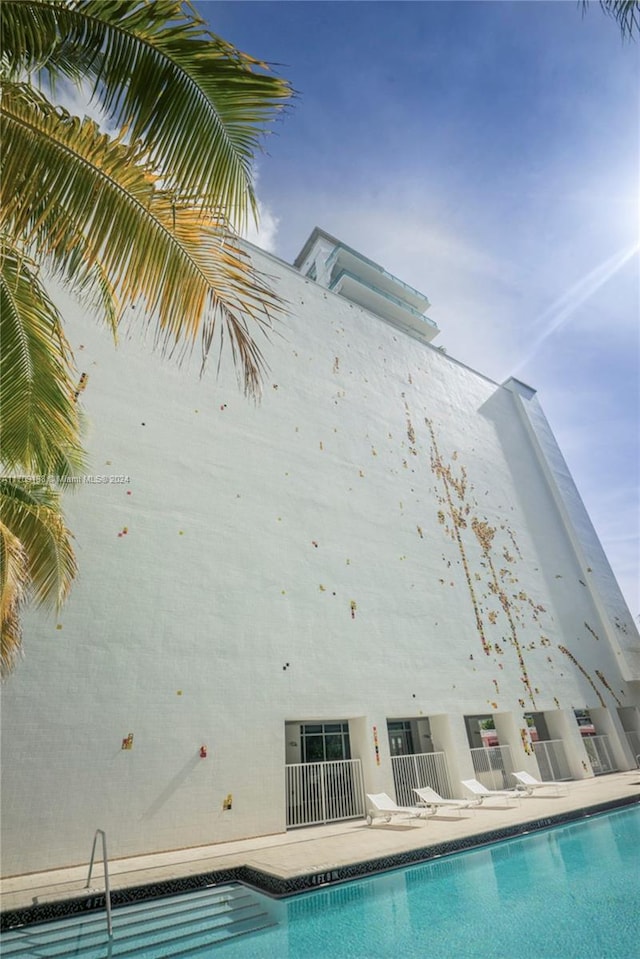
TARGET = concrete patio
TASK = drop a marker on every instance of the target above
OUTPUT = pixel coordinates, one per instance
(320, 849)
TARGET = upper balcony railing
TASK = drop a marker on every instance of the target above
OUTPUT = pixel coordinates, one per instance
(384, 304)
(347, 274)
(344, 258)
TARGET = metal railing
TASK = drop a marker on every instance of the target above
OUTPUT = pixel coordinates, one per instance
(417, 770)
(633, 738)
(493, 766)
(324, 792)
(599, 754)
(105, 862)
(552, 760)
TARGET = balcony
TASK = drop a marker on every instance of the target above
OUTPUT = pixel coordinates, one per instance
(364, 283)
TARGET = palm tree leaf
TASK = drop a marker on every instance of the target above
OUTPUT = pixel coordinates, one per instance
(37, 557)
(65, 186)
(87, 280)
(39, 421)
(33, 514)
(625, 12)
(13, 577)
(199, 105)
(145, 217)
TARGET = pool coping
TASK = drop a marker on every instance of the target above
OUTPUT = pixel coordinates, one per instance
(278, 887)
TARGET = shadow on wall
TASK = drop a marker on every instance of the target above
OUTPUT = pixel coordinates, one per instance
(536, 500)
(171, 787)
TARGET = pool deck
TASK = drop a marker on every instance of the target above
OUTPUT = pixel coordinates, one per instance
(322, 854)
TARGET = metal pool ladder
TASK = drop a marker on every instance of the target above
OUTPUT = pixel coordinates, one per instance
(105, 861)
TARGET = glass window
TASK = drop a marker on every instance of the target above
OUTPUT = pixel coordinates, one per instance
(324, 741)
(400, 738)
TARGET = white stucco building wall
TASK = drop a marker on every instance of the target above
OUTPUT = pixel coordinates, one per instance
(380, 538)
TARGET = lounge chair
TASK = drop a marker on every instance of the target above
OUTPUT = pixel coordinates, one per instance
(481, 792)
(430, 799)
(381, 806)
(527, 783)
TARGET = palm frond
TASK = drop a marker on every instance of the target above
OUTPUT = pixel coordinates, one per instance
(38, 562)
(85, 278)
(39, 422)
(625, 12)
(13, 578)
(33, 513)
(147, 217)
(199, 105)
(66, 186)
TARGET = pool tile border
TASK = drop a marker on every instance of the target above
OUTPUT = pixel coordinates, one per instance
(278, 887)
(281, 888)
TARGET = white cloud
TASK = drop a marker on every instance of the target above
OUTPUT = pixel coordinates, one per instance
(263, 234)
(77, 100)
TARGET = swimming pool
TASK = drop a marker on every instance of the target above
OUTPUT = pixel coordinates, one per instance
(571, 891)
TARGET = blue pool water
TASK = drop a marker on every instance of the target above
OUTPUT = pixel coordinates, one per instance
(571, 892)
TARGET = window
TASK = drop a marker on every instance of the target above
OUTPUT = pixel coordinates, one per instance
(312, 273)
(320, 742)
(400, 738)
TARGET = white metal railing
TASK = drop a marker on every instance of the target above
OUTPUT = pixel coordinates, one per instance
(324, 792)
(633, 738)
(552, 760)
(599, 754)
(493, 766)
(417, 770)
(105, 863)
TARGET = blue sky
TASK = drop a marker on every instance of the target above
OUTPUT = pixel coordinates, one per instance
(488, 154)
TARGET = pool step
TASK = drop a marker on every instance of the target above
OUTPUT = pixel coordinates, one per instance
(149, 924)
(172, 926)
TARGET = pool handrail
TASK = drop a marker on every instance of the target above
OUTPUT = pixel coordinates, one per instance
(105, 862)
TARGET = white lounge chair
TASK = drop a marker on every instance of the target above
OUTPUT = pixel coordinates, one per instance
(430, 798)
(481, 792)
(381, 806)
(527, 783)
